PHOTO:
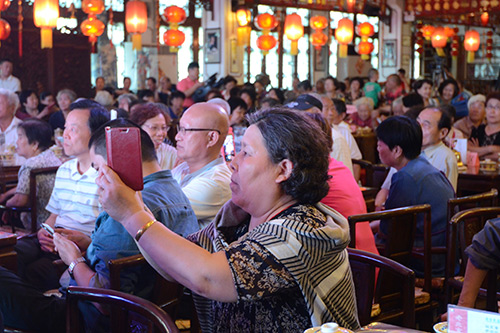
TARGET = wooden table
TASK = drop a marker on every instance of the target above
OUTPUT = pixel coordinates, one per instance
(8, 176)
(474, 181)
(383, 327)
(8, 256)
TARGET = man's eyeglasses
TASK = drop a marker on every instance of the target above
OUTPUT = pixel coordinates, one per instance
(183, 130)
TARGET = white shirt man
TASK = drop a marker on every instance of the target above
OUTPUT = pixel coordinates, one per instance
(8, 124)
(204, 176)
(7, 80)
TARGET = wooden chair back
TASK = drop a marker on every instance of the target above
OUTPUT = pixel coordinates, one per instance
(32, 208)
(167, 295)
(374, 173)
(462, 228)
(487, 199)
(129, 313)
(363, 266)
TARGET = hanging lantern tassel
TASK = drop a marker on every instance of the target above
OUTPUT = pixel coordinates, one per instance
(46, 13)
(136, 41)
(243, 36)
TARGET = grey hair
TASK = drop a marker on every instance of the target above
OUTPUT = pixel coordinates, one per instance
(128, 97)
(364, 100)
(68, 92)
(12, 99)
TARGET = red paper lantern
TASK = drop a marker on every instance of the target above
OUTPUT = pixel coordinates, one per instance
(266, 43)
(439, 40)
(318, 22)
(485, 17)
(449, 32)
(93, 7)
(364, 48)
(266, 21)
(344, 34)
(294, 30)
(93, 28)
(243, 16)
(4, 4)
(136, 21)
(174, 38)
(4, 29)
(365, 29)
(427, 31)
(174, 14)
(45, 15)
(471, 44)
(318, 39)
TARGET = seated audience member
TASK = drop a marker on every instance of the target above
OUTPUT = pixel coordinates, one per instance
(435, 123)
(176, 109)
(412, 100)
(450, 94)
(64, 99)
(238, 111)
(74, 202)
(344, 194)
(125, 101)
(146, 95)
(476, 116)
(164, 90)
(453, 133)
(305, 87)
(127, 82)
(415, 182)
(29, 105)
(268, 103)
(319, 87)
(155, 122)
(277, 94)
(397, 107)
(312, 103)
(273, 259)
(393, 88)
(485, 140)
(104, 98)
(229, 83)
(47, 99)
(338, 134)
(331, 88)
(372, 89)
(9, 103)
(204, 176)
(34, 137)
(222, 103)
(404, 80)
(213, 93)
(248, 95)
(27, 308)
(363, 117)
(423, 87)
(355, 90)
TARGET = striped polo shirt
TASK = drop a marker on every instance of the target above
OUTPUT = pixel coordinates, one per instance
(74, 198)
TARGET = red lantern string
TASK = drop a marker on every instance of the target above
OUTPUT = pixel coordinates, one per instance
(20, 20)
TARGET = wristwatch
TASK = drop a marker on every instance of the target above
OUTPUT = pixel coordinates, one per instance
(72, 266)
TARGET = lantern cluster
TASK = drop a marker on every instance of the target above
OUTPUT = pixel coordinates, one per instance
(364, 48)
(471, 44)
(174, 37)
(4, 25)
(136, 21)
(318, 38)
(266, 22)
(427, 31)
(243, 17)
(344, 34)
(419, 40)
(489, 45)
(294, 30)
(455, 43)
(45, 15)
(92, 27)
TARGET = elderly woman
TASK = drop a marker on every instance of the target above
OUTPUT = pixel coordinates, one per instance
(155, 122)
(423, 87)
(64, 99)
(33, 142)
(485, 140)
(363, 116)
(476, 116)
(272, 260)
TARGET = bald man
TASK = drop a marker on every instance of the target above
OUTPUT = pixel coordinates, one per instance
(204, 176)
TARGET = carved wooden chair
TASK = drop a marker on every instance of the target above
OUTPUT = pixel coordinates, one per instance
(462, 228)
(129, 313)
(363, 266)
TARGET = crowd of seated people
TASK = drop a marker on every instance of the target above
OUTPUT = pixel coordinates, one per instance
(295, 150)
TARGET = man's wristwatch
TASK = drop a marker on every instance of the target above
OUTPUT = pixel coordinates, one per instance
(72, 266)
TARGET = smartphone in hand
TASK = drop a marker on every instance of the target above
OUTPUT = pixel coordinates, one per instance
(48, 228)
(123, 145)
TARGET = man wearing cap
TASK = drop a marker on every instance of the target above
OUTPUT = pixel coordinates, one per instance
(312, 103)
(476, 117)
(189, 85)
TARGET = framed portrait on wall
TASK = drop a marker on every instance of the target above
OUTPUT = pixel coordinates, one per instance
(320, 59)
(212, 46)
(389, 53)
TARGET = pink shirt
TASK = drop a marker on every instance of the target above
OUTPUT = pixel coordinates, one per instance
(184, 85)
(346, 198)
